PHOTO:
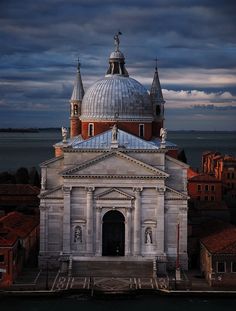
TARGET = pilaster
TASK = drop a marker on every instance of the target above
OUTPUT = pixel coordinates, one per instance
(89, 212)
(160, 214)
(98, 232)
(67, 220)
(137, 221)
(43, 227)
(128, 233)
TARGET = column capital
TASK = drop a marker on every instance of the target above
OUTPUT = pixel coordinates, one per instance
(183, 208)
(89, 189)
(66, 190)
(161, 190)
(43, 207)
(98, 208)
(137, 189)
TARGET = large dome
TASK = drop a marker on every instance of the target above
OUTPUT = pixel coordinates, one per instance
(117, 97)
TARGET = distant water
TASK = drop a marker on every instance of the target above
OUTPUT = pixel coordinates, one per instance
(137, 304)
(30, 149)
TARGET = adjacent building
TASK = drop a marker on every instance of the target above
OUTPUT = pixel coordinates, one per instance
(19, 235)
(218, 256)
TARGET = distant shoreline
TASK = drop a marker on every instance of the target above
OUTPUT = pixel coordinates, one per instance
(55, 129)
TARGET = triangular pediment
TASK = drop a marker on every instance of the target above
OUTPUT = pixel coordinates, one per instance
(55, 193)
(114, 193)
(172, 194)
(114, 164)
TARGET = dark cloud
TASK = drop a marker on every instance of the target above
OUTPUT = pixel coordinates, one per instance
(41, 40)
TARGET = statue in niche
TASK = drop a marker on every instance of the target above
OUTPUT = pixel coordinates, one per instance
(78, 234)
(148, 236)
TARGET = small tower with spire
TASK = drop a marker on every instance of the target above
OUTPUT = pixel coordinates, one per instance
(157, 103)
(75, 104)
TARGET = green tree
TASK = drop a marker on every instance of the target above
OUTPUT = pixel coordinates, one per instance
(22, 176)
(34, 179)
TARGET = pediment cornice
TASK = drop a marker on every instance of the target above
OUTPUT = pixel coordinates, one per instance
(151, 172)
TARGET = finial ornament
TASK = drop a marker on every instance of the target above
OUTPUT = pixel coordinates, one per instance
(78, 65)
(64, 133)
(163, 134)
(156, 60)
(117, 40)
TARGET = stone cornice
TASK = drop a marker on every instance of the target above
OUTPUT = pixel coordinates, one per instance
(45, 163)
(69, 172)
(141, 177)
(43, 194)
(70, 149)
(126, 195)
(182, 196)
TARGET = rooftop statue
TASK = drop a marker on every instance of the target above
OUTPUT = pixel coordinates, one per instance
(64, 133)
(114, 133)
(163, 134)
(117, 40)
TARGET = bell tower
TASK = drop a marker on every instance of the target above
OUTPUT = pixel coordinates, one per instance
(157, 103)
(75, 104)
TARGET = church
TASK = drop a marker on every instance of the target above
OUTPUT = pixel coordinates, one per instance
(115, 191)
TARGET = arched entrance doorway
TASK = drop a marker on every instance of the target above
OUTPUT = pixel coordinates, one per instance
(113, 234)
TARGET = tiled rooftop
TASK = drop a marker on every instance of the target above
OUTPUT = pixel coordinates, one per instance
(19, 223)
(222, 240)
(204, 177)
(124, 140)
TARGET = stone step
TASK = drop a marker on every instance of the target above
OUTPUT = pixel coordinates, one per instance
(113, 268)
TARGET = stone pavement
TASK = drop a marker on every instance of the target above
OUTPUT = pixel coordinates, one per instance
(54, 281)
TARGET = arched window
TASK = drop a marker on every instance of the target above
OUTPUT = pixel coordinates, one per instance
(90, 129)
(78, 234)
(158, 110)
(141, 130)
(75, 110)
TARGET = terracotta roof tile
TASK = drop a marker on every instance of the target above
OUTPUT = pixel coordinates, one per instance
(19, 223)
(222, 240)
(204, 178)
(18, 189)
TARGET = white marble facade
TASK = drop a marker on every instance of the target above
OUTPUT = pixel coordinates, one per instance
(144, 184)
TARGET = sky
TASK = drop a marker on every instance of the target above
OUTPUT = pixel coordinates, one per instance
(194, 41)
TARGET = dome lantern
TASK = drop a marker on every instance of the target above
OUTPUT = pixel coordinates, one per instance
(117, 60)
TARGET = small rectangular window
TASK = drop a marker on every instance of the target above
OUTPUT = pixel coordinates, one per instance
(141, 130)
(1, 276)
(1, 258)
(233, 266)
(199, 187)
(220, 267)
(212, 188)
(206, 188)
(90, 129)
(212, 198)
(206, 198)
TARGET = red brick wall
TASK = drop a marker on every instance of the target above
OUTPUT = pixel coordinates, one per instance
(75, 127)
(58, 152)
(11, 270)
(130, 127)
(156, 126)
(173, 153)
